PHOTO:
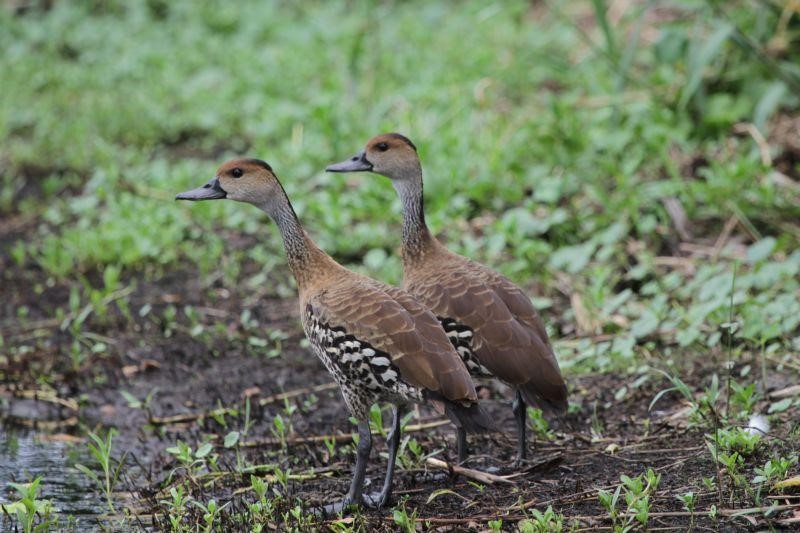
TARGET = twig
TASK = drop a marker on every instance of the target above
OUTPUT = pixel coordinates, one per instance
(477, 475)
(719, 244)
(761, 142)
(41, 395)
(788, 392)
(337, 437)
(297, 392)
(187, 417)
(190, 417)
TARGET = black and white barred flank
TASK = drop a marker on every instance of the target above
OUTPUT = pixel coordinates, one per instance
(461, 338)
(365, 374)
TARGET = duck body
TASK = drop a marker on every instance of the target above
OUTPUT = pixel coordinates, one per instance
(378, 343)
(490, 321)
(381, 345)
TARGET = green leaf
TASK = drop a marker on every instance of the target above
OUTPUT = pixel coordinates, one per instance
(133, 402)
(231, 439)
(768, 103)
(761, 250)
(781, 406)
(203, 450)
(701, 58)
(87, 472)
(645, 325)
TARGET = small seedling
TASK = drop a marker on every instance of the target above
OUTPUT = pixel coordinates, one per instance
(689, 501)
(541, 428)
(637, 494)
(280, 430)
(376, 420)
(101, 450)
(406, 521)
(330, 445)
(543, 522)
(29, 507)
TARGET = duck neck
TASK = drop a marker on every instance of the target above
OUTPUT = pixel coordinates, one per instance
(416, 236)
(305, 258)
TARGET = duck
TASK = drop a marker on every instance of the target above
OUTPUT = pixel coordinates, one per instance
(379, 344)
(489, 319)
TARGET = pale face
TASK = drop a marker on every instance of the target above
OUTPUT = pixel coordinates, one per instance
(243, 180)
(390, 154)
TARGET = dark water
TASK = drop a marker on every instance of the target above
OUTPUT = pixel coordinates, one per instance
(25, 455)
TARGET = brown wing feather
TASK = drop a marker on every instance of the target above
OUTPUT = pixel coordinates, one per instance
(508, 336)
(391, 321)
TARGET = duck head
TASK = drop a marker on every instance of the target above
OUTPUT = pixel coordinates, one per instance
(243, 180)
(390, 154)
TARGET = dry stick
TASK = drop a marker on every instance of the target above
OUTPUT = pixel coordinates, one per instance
(298, 392)
(779, 362)
(719, 244)
(788, 392)
(189, 417)
(41, 395)
(477, 475)
(339, 437)
(761, 142)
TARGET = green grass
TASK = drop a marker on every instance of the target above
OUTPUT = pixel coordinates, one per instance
(564, 151)
(553, 140)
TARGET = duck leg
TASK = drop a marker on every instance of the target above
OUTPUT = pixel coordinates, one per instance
(461, 441)
(379, 500)
(519, 409)
(354, 495)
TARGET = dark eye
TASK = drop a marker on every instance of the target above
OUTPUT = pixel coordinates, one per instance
(382, 147)
(237, 172)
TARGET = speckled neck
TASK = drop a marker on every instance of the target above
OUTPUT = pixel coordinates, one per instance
(307, 261)
(416, 236)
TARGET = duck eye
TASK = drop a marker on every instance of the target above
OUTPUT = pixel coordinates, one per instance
(237, 172)
(382, 147)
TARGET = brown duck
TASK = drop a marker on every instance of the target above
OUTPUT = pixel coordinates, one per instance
(489, 319)
(379, 343)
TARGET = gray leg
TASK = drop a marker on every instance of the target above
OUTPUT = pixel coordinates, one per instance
(463, 449)
(381, 499)
(354, 495)
(519, 409)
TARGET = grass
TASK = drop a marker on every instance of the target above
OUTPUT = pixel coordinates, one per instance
(632, 170)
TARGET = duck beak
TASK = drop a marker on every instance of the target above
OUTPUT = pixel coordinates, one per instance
(357, 163)
(209, 191)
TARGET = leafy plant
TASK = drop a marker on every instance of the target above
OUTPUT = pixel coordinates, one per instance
(407, 522)
(32, 514)
(543, 522)
(637, 493)
(109, 475)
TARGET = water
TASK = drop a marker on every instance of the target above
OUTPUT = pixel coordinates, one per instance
(25, 455)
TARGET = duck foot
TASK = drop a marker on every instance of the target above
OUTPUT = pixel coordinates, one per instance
(334, 509)
(376, 500)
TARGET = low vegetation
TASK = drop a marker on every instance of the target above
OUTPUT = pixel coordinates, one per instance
(634, 165)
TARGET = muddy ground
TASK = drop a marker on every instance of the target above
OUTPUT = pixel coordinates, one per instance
(148, 351)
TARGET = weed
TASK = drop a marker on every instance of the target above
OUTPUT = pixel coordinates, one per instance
(689, 500)
(637, 493)
(211, 512)
(541, 428)
(280, 429)
(405, 520)
(376, 420)
(543, 522)
(32, 514)
(101, 451)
